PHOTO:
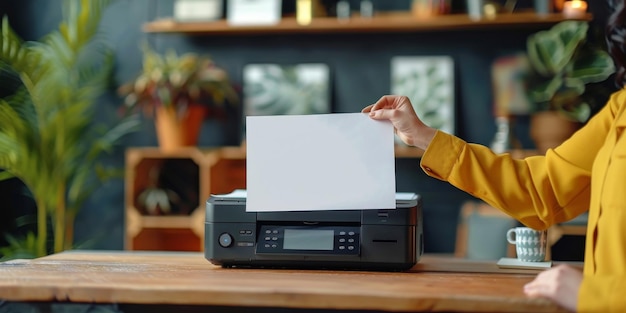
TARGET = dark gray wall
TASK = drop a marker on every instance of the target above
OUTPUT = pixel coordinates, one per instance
(361, 74)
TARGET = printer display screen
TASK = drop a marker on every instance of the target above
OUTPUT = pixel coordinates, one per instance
(308, 239)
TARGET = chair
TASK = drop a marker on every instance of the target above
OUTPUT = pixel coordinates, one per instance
(481, 232)
(574, 227)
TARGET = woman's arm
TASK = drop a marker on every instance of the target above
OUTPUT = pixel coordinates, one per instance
(538, 191)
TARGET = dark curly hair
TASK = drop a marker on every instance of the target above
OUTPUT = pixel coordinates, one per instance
(616, 39)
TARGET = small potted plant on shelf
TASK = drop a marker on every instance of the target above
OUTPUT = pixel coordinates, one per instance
(562, 64)
(179, 90)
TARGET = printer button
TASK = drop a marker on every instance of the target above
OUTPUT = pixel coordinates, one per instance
(351, 233)
(274, 238)
(350, 247)
(267, 238)
(267, 245)
(225, 240)
(342, 233)
(274, 231)
(274, 246)
(268, 231)
(351, 240)
(342, 239)
(342, 247)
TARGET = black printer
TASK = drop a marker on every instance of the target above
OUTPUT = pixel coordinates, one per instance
(389, 239)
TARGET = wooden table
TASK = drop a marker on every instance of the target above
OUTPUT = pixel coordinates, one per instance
(175, 278)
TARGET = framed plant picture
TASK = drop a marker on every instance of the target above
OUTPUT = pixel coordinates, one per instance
(274, 89)
(282, 89)
(428, 81)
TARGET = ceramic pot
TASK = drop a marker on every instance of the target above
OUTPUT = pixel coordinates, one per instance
(175, 130)
(549, 129)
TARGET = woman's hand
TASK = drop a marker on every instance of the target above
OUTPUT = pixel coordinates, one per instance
(559, 284)
(399, 111)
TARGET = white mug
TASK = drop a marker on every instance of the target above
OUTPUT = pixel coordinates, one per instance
(530, 244)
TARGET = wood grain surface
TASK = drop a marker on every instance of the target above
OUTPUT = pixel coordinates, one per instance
(435, 284)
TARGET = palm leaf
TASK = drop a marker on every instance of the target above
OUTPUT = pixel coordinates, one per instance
(11, 49)
(47, 135)
(24, 248)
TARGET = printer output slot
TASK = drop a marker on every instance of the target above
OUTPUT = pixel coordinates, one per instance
(308, 223)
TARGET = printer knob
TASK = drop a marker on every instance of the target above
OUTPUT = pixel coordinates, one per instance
(225, 240)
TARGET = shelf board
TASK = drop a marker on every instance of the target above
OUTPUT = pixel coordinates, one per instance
(233, 153)
(406, 152)
(383, 22)
(239, 153)
(165, 221)
(158, 153)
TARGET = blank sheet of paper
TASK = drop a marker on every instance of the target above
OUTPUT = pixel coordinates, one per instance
(340, 161)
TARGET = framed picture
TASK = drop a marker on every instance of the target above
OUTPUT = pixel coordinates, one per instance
(286, 89)
(508, 74)
(428, 81)
(274, 89)
(253, 12)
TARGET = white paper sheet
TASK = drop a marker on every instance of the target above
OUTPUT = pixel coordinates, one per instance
(340, 161)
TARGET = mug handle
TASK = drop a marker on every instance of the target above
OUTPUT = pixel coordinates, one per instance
(509, 236)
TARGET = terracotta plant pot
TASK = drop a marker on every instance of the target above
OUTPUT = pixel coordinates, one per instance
(176, 131)
(549, 129)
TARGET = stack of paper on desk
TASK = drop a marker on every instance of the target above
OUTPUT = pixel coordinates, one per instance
(516, 263)
(341, 161)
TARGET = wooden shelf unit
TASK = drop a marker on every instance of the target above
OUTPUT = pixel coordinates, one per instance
(180, 230)
(382, 22)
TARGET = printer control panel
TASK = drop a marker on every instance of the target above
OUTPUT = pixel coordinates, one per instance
(314, 239)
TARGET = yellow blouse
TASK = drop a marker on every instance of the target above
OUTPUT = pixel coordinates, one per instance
(587, 172)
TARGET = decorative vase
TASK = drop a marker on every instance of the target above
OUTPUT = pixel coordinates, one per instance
(475, 9)
(549, 129)
(543, 7)
(175, 130)
(504, 140)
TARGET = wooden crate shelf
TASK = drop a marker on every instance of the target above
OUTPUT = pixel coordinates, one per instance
(189, 175)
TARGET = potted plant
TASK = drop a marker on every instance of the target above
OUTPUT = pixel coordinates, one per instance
(179, 91)
(562, 64)
(48, 137)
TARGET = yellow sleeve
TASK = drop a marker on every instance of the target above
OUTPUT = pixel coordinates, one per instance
(537, 191)
(602, 294)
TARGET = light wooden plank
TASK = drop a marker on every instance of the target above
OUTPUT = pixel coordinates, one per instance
(383, 22)
(187, 278)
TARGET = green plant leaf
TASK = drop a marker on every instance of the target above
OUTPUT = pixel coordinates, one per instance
(592, 66)
(22, 248)
(550, 51)
(562, 63)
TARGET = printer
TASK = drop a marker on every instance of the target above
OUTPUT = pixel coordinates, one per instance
(386, 239)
